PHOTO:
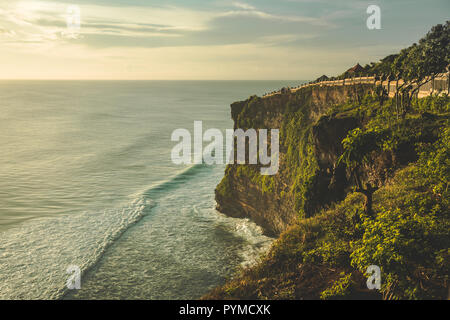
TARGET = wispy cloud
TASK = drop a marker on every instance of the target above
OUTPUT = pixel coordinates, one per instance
(242, 5)
(43, 21)
(248, 10)
(179, 39)
(40, 22)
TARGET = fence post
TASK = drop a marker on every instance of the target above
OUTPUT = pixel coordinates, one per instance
(432, 86)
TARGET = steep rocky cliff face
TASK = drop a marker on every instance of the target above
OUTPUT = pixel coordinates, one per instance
(313, 123)
(328, 237)
(310, 144)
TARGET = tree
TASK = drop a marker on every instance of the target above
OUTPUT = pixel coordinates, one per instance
(416, 65)
(420, 63)
(357, 147)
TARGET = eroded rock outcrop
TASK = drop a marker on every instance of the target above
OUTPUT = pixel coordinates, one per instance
(310, 144)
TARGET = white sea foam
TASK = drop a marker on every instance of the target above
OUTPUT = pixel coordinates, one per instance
(35, 254)
(256, 243)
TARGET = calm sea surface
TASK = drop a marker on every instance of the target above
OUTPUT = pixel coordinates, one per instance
(86, 179)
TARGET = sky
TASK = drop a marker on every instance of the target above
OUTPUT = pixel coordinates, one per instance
(203, 40)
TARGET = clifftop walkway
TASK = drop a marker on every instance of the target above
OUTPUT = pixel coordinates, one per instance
(440, 84)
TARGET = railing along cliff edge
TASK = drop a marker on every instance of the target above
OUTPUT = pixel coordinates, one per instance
(439, 85)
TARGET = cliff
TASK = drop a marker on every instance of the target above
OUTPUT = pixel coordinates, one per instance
(309, 178)
(363, 181)
(327, 239)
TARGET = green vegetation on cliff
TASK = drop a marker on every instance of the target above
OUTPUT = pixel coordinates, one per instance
(366, 183)
(296, 138)
(325, 256)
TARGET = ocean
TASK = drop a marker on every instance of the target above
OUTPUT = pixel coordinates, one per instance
(86, 180)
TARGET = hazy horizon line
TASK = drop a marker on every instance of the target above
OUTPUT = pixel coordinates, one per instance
(33, 79)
